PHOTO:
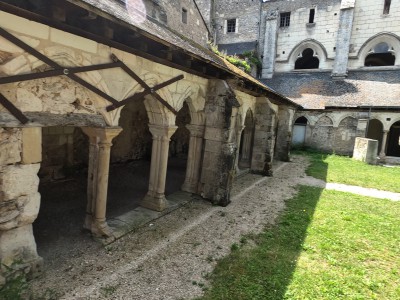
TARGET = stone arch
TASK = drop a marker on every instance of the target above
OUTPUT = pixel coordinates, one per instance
(246, 140)
(393, 143)
(300, 126)
(322, 134)
(395, 120)
(318, 49)
(392, 40)
(375, 130)
(301, 120)
(345, 135)
(307, 60)
(157, 112)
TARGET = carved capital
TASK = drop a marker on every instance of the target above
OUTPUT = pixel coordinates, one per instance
(160, 132)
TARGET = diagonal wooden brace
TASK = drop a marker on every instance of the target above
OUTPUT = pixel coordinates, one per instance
(147, 92)
(53, 64)
(145, 86)
(13, 109)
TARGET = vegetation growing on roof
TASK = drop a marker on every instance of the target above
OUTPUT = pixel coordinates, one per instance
(245, 61)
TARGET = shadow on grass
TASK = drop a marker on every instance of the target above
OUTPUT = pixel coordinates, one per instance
(265, 271)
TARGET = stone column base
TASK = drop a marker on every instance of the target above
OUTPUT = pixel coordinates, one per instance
(154, 203)
(190, 187)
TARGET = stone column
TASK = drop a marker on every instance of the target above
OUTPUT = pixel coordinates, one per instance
(20, 157)
(284, 135)
(343, 39)
(218, 168)
(264, 137)
(270, 40)
(155, 198)
(194, 158)
(382, 153)
(99, 165)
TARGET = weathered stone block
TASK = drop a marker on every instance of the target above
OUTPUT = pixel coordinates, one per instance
(29, 206)
(17, 244)
(23, 25)
(366, 150)
(10, 146)
(71, 40)
(16, 66)
(31, 145)
(19, 180)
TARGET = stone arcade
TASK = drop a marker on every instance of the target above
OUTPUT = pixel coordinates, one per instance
(78, 76)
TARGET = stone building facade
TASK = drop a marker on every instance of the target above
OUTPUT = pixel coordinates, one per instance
(76, 78)
(327, 55)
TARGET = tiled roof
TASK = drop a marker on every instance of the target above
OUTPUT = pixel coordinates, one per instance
(317, 90)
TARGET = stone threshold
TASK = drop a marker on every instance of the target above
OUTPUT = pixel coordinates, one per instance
(140, 216)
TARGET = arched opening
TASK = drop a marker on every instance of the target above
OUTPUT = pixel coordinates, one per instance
(307, 60)
(178, 151)
(246, 142)
(322, 134)
(62, 185)
(381, 56)
(375, 131)
(130, 160)
(345, 136)
(393, 145)
(299, 131)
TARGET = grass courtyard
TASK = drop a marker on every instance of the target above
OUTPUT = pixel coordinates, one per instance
(326, 245)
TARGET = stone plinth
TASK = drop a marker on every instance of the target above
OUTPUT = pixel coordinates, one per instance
(366, 150)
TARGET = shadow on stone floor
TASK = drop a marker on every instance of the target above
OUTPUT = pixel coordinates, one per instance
(63, 203)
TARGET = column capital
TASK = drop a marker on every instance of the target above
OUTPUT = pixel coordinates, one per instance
(101, 135)
(196, 130)
(160, 131)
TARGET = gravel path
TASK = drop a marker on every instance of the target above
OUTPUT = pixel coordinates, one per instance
(163, 259)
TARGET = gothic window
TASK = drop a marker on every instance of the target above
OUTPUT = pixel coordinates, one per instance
(386, 7)
(285, 19)
(380, 55)
(231, 26)
(307, 60)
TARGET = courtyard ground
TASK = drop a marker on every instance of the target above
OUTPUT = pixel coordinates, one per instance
(172, 257)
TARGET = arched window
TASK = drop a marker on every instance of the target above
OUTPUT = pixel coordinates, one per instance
(380, 55)
(307, 60)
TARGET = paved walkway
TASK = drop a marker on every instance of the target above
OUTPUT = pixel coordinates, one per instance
(369, 192)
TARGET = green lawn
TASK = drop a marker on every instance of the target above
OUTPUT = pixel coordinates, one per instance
(326, 245)
(342, 169)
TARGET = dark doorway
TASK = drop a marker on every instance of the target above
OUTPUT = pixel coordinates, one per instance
(393, 146)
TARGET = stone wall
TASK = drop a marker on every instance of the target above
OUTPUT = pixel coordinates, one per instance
(220, 149)
(323, 30)
(19, 200)
(365, 13)
(336, 131)
(170, 12)
(245, 12)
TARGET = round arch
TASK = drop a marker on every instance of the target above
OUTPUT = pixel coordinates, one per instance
(393, 143)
